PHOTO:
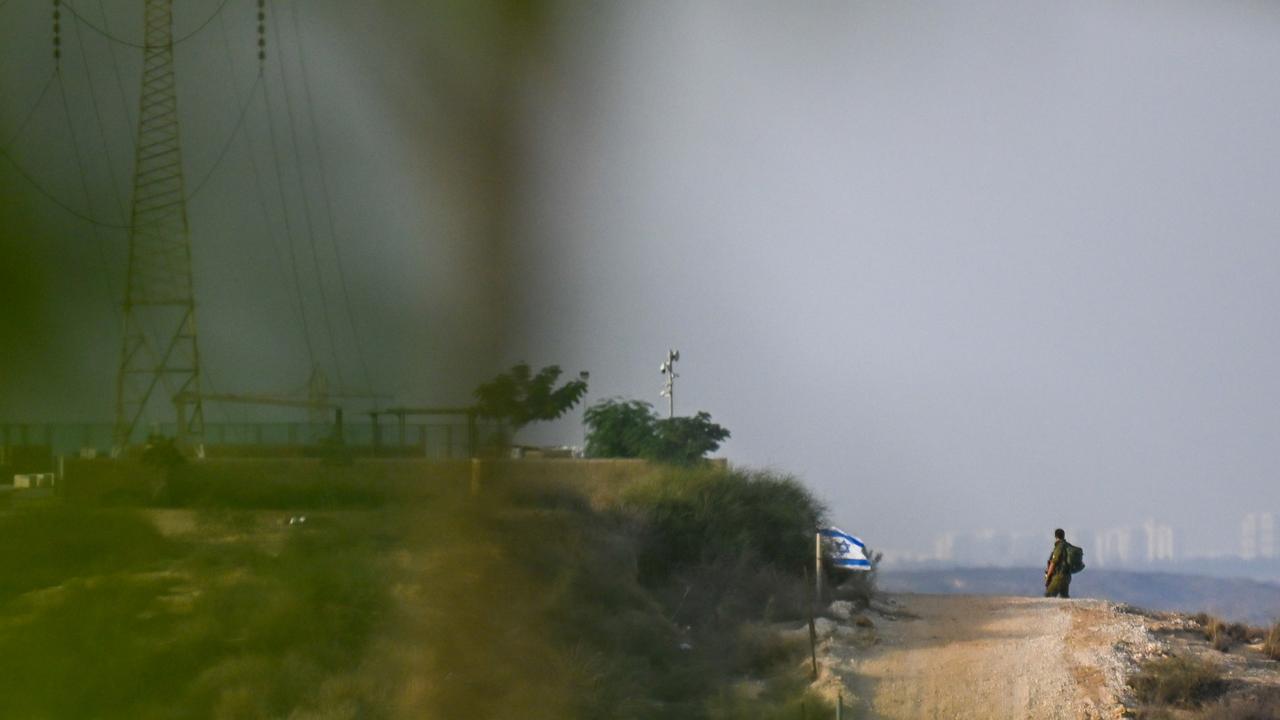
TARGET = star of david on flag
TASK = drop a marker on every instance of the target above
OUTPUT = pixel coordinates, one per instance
(845, 550)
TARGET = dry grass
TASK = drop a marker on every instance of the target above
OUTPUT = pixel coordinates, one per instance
(1271, 645)
(1179, 681)
(1262, 705)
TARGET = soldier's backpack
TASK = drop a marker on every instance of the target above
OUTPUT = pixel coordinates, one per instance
(1074, 558)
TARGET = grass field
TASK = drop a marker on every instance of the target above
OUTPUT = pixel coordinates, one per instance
(525, 601)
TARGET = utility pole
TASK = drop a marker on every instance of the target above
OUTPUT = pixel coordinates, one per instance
(668, 368)
(159, 352)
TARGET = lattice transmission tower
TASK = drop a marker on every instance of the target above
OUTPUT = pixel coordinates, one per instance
(159, 356)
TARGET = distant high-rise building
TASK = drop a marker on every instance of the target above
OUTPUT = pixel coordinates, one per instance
(944, 547)
(1112, 547)
(1258, 536)
(1159, 541)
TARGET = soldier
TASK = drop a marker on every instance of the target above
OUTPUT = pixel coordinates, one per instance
(1057, 577)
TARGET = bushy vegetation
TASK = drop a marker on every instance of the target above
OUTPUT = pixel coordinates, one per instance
(1178, 680)
(521, 396)
(632, 429)
(726, 518)
(399, 602)
(117, 621)
(618, 428)
(1223, 635)
(46, 545)
(1261, 705)
(1271, 645)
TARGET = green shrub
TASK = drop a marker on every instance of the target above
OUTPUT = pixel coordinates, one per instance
(1178, 680)
(685, 440)
(618, 428)
(723, 517)
(631, 429)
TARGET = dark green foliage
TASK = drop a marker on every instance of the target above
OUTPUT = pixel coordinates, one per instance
(335, 451)
(629, 589)
(618, 428)
(45, 546)
(1178, 680)
(686, 440)
(527, 596)
(701, 516)
(119, 622)
(520, 396)
(631, 429)
(162, 453)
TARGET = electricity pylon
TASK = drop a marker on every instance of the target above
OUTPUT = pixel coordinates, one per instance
(159, 357)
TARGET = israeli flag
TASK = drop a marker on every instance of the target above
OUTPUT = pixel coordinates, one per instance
(845, 550)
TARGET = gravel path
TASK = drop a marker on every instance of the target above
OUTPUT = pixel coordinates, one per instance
(957, 656)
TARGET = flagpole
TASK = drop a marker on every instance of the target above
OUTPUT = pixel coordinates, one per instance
(817, 566)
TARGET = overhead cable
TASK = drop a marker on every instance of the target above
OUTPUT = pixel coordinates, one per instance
(103, 277)
(235, 132)
(328, 205)
(117, 39)
(306, 209)
(300, 313)
(31, 179)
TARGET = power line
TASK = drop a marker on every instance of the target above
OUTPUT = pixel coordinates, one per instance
(288, 227)
(84, 187)
(117, 39)
(31, 111)
(102, 133)
(306, 206)
(53, 198)
(115, 69)
(31, 180)
(328, 205)
(244, 111)
(300, 311)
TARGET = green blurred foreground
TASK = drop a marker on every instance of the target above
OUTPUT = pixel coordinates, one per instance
(528, 599)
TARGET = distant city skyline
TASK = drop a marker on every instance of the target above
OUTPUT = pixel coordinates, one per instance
(1146, 542)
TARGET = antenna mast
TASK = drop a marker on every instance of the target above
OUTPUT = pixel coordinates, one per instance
(159, 347)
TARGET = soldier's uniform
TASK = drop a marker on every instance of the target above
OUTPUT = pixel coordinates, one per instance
(1059, 584)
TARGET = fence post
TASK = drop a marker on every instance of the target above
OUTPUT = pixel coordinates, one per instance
(813, 631)
(817, 566)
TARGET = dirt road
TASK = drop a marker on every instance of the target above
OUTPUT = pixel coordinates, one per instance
(956, 656)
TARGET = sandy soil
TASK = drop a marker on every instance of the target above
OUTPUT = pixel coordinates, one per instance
(956, 656)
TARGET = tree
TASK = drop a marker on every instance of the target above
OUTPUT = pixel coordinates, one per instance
(619, 428)
(631, 428)
(686, 440)
(520, 396)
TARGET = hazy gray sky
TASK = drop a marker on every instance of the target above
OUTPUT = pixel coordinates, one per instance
(939, 260)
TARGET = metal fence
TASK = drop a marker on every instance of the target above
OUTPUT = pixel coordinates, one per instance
(437, 440)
